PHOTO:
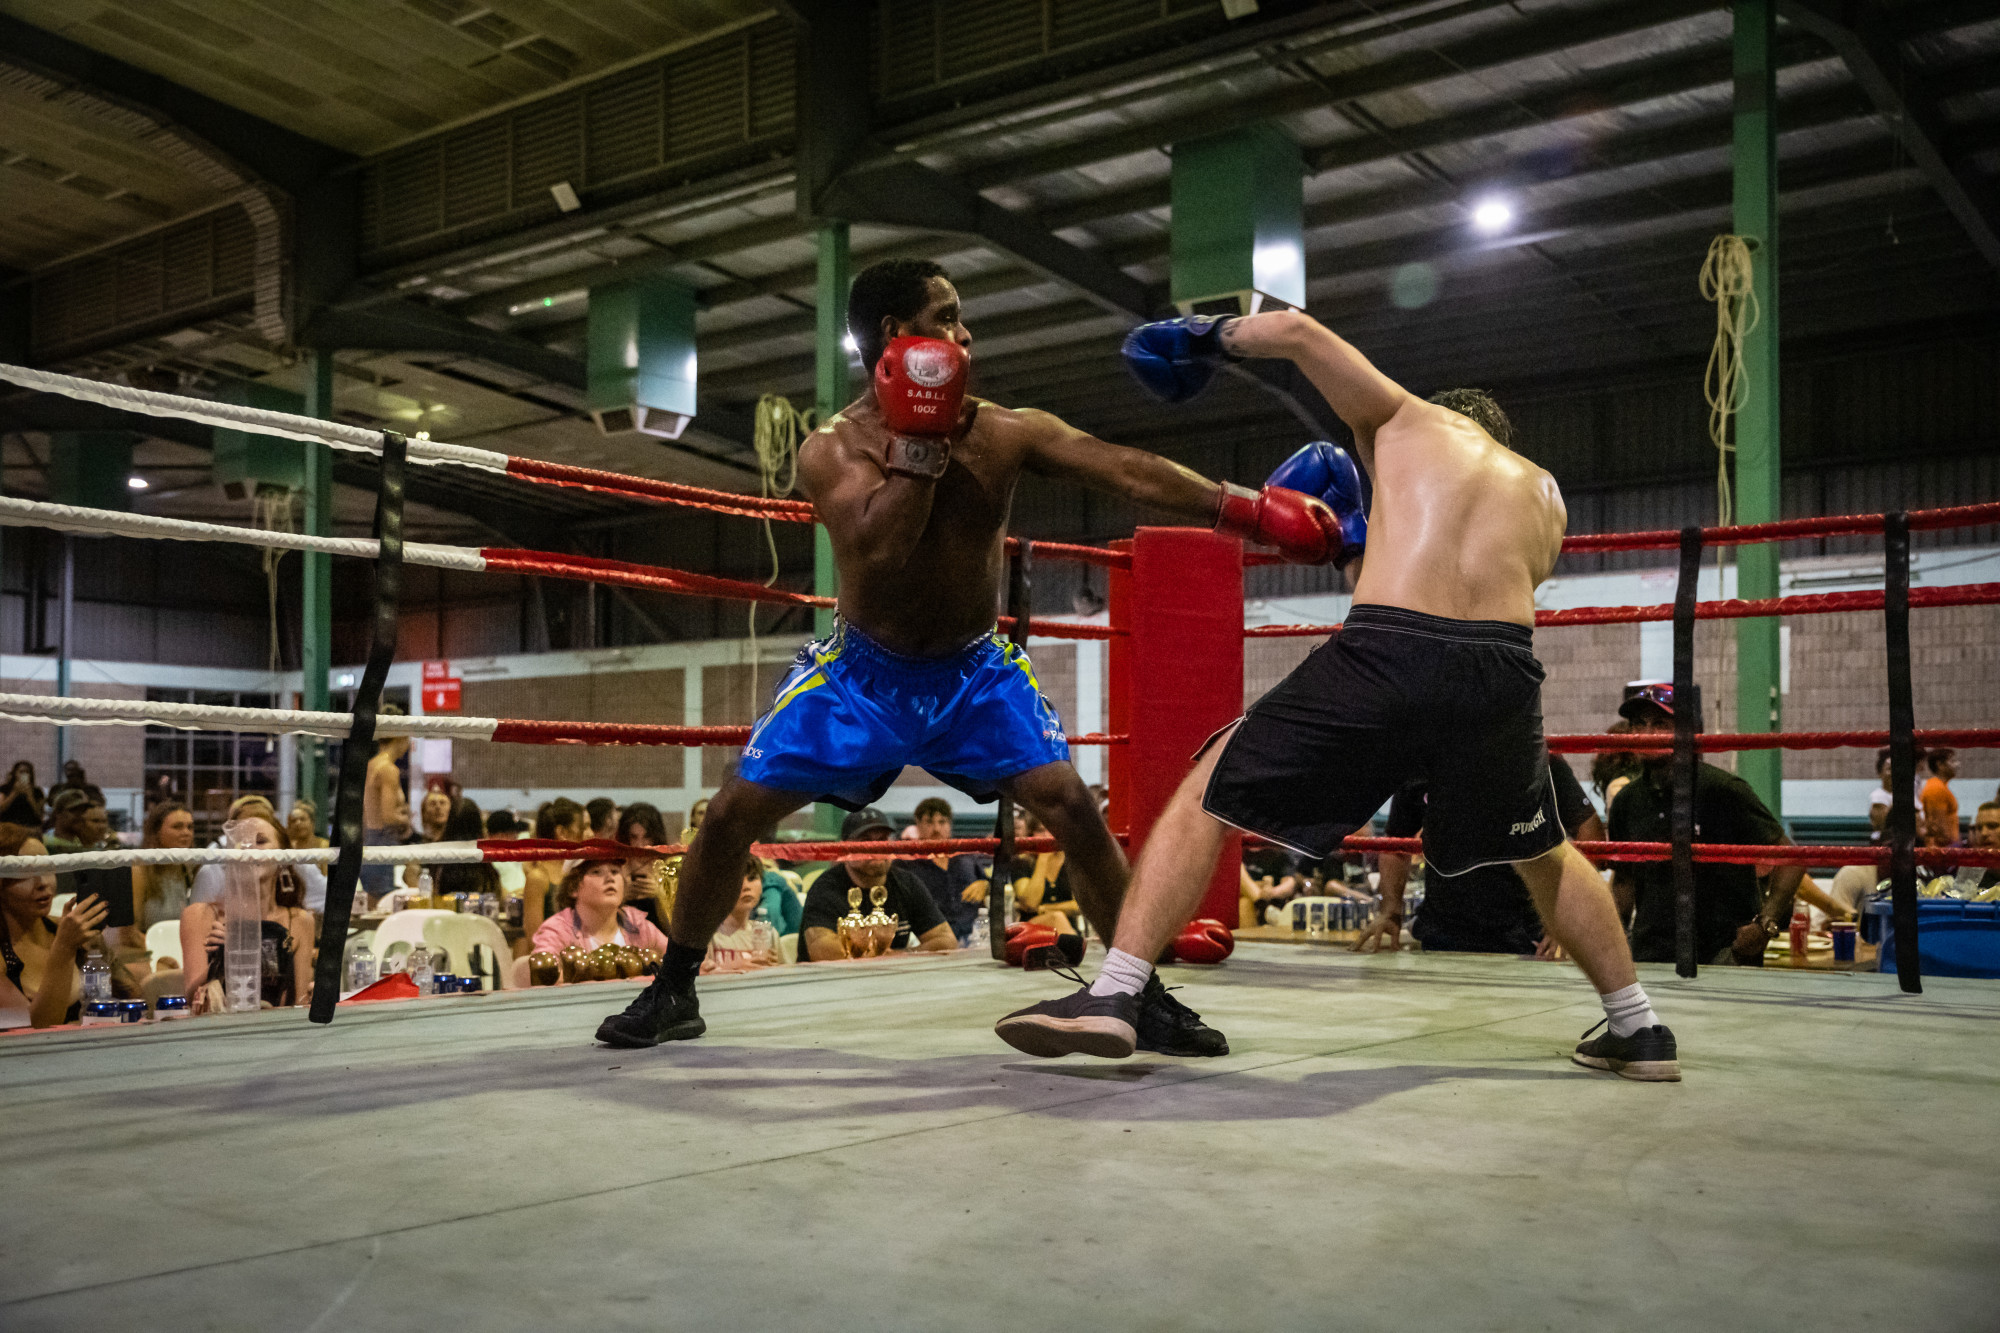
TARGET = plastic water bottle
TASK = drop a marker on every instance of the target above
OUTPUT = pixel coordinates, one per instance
(96, 977)
(420, 969)
(762, 931)
(982, 932)
(361, 969)
(424, 886)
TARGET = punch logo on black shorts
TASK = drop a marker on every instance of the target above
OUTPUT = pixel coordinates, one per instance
(1529, 825)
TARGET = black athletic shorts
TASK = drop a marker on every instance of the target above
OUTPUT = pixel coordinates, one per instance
(1394, 696)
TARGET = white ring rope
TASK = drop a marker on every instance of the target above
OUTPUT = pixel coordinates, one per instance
(206, 717)
(233, 416)
(18, 513)
(428, 853)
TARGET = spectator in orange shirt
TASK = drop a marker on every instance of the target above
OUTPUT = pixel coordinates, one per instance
(1940, 806)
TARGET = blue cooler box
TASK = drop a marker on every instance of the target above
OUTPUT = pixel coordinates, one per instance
(1954, 939)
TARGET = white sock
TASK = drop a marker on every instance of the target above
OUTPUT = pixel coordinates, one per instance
(1122, 974)
(1628, 1010)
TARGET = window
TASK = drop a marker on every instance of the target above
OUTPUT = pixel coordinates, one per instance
(209, 769)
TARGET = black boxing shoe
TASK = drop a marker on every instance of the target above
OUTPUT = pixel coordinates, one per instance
(660, 1013)
(1076, 1024)
(1168, 1027)
(1648, 1055)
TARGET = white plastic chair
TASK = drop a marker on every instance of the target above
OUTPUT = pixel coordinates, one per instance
(788, 946)
(453, 932)
(163, 937)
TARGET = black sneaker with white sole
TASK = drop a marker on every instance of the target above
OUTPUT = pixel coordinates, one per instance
(660, 1013)
(1168, 1027)
(1076, 1024)
(1647, 1055)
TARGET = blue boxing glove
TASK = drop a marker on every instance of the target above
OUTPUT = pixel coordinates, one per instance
(1174, 359)
(1325, 470)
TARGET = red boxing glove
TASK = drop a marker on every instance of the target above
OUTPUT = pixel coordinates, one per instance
(1023, 936)
(1303, 529)
(920, 385)
(1204, 942)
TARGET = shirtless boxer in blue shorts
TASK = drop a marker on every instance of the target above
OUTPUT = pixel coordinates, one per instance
(914, 482)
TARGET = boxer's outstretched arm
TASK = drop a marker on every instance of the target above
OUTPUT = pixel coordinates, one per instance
(1058, 449)
(1363, 396)
(875, 517)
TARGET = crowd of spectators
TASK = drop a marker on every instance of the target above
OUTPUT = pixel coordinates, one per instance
(49, 931)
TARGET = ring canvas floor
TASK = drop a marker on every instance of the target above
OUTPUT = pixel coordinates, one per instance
(1394, 1142)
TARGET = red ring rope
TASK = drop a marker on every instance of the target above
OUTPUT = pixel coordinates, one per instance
(530, 849)
(1818, 603)
(555, 731)
(1972, 738)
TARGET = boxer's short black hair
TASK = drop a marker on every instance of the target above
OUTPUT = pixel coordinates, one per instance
(893, 289)
(1479, 405)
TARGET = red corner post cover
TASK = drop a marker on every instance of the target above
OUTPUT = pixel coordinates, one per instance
(1186, 676)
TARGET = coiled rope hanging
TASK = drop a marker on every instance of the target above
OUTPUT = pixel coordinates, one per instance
(778, 428)
(1728, 279)
(275, 512)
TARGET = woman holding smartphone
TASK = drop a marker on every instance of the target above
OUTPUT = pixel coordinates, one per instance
(43, 955)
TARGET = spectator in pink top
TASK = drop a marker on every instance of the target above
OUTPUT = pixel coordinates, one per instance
(590, 912)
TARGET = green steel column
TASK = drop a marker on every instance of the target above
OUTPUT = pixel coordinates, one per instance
(830, 382)
(1757, 454)
(830, 393)
(316, 593)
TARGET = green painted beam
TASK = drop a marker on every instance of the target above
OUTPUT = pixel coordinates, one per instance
(316, 585)
(831, 392)
(831, 389)
(1758, 702)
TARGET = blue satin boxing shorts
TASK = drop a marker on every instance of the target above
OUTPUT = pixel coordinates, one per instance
(849, 715)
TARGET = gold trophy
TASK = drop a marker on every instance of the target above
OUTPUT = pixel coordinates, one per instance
(853, 943)
(880, 925)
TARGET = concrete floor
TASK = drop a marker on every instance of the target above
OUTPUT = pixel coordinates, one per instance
(1396, 1143)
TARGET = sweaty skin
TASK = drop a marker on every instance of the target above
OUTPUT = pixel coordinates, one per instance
(921, 564)
(1461, 526)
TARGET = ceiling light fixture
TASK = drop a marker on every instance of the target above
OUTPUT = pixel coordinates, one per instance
(1492, 216)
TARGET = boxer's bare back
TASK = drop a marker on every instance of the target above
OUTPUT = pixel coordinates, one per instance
(1461, 526)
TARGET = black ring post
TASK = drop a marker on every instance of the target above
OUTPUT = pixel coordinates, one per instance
(1685, 706)
(1020, 598)
(1902, 748)
(360, 745)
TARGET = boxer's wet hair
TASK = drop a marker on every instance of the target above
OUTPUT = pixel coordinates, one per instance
(1479, 405)
(893, 289)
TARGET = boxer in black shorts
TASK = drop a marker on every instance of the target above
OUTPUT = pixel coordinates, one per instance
(1398, 695)
(1433, 676)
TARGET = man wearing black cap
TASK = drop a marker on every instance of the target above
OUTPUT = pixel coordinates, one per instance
(1733, 921)
(909, 901)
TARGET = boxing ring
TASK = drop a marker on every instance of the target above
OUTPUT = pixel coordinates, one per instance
(1396, 1141)
(1176, 638)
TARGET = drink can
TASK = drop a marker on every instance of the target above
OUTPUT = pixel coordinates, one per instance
(444, 983)
(1843, 941)
(99, 1013)
(170, 1007)
(131, 1011)
(472, 985)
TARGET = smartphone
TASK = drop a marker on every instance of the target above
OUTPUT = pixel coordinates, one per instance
(113, 887)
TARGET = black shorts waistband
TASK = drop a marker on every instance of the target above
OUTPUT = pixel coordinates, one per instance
(1500, 633)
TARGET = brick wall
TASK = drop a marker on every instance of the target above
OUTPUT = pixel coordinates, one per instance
(611, 696)
(112, 756)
